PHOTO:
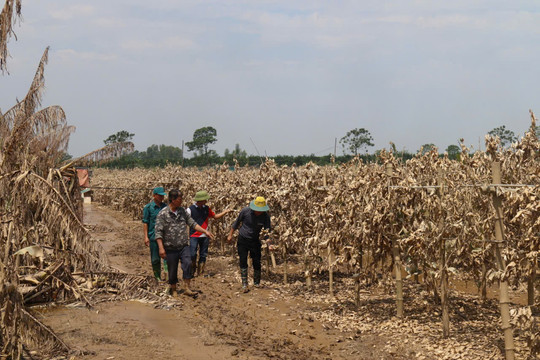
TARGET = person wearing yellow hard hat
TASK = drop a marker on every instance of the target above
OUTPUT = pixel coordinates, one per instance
(251, 220)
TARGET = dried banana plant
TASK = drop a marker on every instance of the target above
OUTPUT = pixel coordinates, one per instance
(433, 215)
(10, 12)
(102, 155)
(42, 237)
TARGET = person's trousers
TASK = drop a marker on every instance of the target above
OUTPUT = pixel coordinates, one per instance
(184, 257)
(202, 244)
(156, 260)
(253, 249)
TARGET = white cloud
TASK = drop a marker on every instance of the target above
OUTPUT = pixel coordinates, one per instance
(73, 11)
(69, 55)
(110, 22)
(169, 43)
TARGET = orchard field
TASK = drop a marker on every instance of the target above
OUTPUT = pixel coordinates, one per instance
(438, 252)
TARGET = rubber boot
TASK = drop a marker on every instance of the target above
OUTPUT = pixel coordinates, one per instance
(200, 268)
(257, 278)
(244, 275)
(157, 270)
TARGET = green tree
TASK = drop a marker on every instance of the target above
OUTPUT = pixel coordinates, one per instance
(355, 140)
(238, 154)
(453, 152)
(424, 149)
(538, 132)
(202, 138)
(507, 136)
(121, 136)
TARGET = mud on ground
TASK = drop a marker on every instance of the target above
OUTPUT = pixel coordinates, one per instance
(275, 321)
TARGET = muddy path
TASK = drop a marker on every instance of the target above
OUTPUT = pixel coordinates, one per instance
(222, 323)
(275, 321)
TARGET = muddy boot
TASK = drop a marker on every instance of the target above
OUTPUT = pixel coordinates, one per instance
(172, 291)
(257, 278)
(187, 289)
(244, 275)
(200, 269)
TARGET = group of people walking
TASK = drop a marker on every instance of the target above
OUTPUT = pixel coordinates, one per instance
(166, 234)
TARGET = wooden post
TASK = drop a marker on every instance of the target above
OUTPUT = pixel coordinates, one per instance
(416, 271)
(442, 255)
(399, 280)
(484, 282)
(330, 270)
(504, 299)
(356, 278)
(182, 153)
(285, 280)
(267, 253)
(531, 280)
(530, 287)
(307, 270)
(273, 258)
(483, 285)
(397, 259)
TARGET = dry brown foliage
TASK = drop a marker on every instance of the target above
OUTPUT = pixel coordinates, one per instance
(47, 254)
(357, 210)
(10, 12)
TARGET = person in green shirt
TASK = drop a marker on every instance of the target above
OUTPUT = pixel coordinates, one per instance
(150, 212)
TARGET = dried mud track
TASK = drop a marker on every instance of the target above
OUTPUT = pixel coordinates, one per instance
(221, 323)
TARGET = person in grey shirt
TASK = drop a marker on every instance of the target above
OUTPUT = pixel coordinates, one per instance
(173, 241)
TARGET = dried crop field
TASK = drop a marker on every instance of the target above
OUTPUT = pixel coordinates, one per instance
(383, 241)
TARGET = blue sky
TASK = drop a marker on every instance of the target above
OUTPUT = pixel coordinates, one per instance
(289, 76)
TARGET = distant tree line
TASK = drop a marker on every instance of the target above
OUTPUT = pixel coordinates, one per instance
(352, 143)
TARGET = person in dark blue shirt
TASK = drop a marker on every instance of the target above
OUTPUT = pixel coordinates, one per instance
(251, 220)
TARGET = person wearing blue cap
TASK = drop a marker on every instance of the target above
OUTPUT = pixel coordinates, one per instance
(150, 212)
(251, 220)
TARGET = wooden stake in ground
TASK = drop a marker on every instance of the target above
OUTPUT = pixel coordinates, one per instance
(503, 284)
(285, 279)
(442, 255)
(267, 252)
(330, 270)
(397, 258)
(532, 278)
(307, 270)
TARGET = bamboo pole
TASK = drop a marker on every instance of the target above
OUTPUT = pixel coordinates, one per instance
(503, 284)
(397, 259)
(443, 271)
